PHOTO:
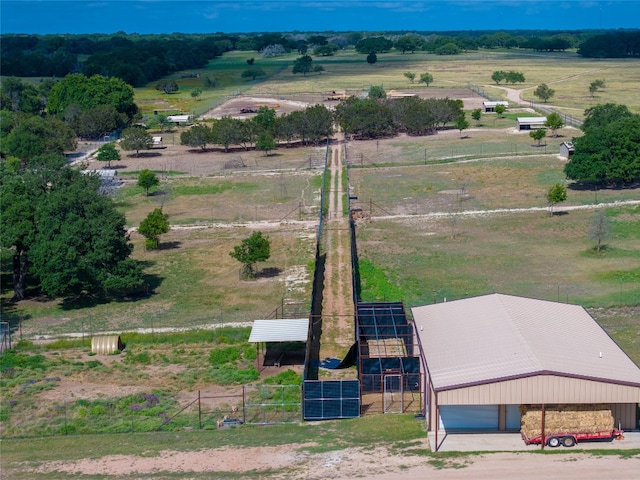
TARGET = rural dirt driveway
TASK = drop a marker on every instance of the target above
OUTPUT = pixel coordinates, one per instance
(377, 464)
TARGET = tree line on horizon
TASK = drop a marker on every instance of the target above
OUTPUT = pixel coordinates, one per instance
(139, 59)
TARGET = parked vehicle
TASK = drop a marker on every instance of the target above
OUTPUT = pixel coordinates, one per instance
(569, 439)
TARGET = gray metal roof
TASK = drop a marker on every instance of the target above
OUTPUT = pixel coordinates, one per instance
(531, 120)
(494, 337)
(280, 330)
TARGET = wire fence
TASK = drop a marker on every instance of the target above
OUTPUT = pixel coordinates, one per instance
(148, 412)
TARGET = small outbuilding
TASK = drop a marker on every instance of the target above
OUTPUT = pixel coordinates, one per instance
(566, 149)
(490, 107)
(531, 123)
(179, 119)
(283, 340)
(487, 356)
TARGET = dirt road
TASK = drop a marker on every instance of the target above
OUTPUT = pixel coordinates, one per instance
(337, 305)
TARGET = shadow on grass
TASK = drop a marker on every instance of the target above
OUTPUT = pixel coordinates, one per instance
(594, 186)
(145, 155)
(150, 283)
(269, 272)
(9, 313)
(169, 245)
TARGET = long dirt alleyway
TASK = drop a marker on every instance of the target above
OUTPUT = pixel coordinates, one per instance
(337, 304)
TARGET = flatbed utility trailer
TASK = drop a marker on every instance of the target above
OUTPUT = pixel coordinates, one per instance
(569, 439)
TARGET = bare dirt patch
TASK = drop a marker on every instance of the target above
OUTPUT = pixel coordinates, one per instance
(379, 464)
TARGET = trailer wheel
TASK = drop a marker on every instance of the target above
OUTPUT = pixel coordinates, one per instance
(568, 441)
(553, 442)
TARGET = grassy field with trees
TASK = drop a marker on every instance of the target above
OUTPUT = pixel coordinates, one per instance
(452, 214)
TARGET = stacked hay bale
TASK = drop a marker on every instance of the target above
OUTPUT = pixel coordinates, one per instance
(565, 419)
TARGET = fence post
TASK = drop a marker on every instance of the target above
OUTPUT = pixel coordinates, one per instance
(199, 412)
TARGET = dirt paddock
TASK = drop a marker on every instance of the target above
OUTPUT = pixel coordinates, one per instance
(245, 106)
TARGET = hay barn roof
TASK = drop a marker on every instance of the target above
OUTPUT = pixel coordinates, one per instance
(496, 337)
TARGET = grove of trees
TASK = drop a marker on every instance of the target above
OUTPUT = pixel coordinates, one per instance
(67, 239)
(609, 151)
(309, 126)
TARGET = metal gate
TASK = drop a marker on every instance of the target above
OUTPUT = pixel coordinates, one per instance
(393, 394)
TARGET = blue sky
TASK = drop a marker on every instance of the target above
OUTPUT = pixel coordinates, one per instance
(207, 16)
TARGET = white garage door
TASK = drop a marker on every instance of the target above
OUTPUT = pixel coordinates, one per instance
(469, 417)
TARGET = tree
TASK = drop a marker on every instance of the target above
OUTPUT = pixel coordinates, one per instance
(256, 248)
(374, 45)
(500, 109)
(163, 122)
(108, 153)
(462, 123)
(476, 114)
(377, 91)
(601, 116)
(410, 42)
(556, 194)
(167, 86)
(609, 150)
(448, 49)
(410, 76)
(538, 134)
(554, 122)
(325, 50)
(89, 92)
(136, 138)
(498, 76)
(227, 131)
(198, 136)
(96, 122)
(209, 83)
(514, 77)
(34, 136)
(543, 92)
(265, 119)
(156, 224)
(595, 86)
(196, 92)
(273, 50)
(600, 229)
(302, 65)
(318, 69)
(147, 179)
(372, 58)
(426, 78)
(253, 73)
(266, 142)
(66, 238)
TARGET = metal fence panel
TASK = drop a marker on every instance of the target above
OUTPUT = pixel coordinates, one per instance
(331, 399)
(269, 404)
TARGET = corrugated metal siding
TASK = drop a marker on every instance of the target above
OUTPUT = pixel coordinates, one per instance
(541, 389)
(625, 415)
(280, 330)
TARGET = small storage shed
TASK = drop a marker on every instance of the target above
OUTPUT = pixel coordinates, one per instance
(566, 149)
(490, 107)
(486, 356)
(283, 339)
(177, 119)
(531, 123)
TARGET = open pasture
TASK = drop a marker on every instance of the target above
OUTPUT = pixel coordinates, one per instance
(565, 72)
(448, 145)
(192, 281)
(530, 254)
(517, 182)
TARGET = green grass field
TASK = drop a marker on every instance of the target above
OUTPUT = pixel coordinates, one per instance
(427, 254)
